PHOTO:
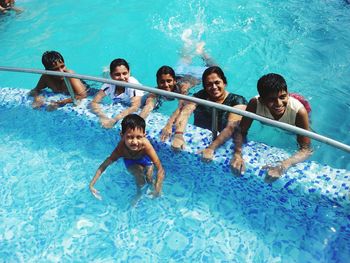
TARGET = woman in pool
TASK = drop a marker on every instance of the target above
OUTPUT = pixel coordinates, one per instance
(276, 103)
(186, 78)
(214, 89)
(119, 70)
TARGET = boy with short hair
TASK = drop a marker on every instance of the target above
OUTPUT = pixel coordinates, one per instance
(139, 157)
(53, 60)
(275, 103)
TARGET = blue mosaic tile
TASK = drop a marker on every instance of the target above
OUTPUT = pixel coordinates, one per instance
(309, 178)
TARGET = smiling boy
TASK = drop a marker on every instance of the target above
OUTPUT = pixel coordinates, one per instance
(138, 154)
(275, 103)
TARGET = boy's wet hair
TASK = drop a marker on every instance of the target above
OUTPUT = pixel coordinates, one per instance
(164, 70)
(133, 121)
(211, 70)
(118, 62)
(271, 83)
(50, 58)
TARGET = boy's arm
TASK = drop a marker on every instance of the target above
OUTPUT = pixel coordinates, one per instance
(160, 170)
(240, 133)
(35, 93)
(98, 173)
(55, 104)
(16, 9)
(112, 158)
(149, 106)
(225, 134)
(304, 152)
(12, 7)
(78, 89)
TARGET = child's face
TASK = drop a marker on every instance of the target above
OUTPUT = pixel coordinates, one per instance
(120, 73)
(59, 66)
(134, 139)
(215, 87)
(276, 103)
(166, 82)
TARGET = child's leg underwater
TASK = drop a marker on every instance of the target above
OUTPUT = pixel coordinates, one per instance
(148, 171)
(142, 175)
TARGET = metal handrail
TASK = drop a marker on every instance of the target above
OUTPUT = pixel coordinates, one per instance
(70, 90)
(251, 115)
(214, 123)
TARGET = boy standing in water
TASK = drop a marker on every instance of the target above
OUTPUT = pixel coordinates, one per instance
(276, 103)
(138, 154)
(52, 60)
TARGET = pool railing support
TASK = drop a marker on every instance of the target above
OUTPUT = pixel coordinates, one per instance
(281, 125)
(70, 90)
(214, 123)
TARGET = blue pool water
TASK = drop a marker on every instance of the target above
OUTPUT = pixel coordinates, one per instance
(205, 214)
(48, 159)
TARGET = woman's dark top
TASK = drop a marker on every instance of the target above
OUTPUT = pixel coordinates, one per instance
(203, 114)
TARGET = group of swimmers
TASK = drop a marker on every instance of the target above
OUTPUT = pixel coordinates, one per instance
(139, 156)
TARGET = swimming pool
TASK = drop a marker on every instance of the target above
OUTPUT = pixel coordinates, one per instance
(205, 213)
(306, 42)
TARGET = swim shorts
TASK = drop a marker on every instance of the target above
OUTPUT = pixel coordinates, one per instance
(144, 161)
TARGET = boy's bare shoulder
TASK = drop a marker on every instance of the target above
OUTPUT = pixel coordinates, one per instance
(147, 143)
(147, 146)
(44, 79)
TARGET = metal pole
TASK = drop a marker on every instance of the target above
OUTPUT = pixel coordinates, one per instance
(248, 114)
(70, 90)
(214, 123)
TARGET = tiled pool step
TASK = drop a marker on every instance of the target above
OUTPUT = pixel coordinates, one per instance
(308, 178)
